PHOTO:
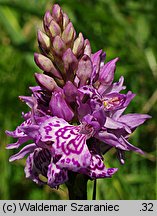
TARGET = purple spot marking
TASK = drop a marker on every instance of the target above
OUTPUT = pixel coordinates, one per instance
(62, 161)
(48, 137)
(75, 162)
(110, 171)
(47, 129)
(56, 125)
(67, 160)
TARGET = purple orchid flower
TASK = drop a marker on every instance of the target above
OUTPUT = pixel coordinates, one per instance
(102, 94)
(58, 148)
(76, 112)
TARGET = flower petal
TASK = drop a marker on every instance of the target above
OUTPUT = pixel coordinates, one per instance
(17, 144)
(83, 109)
(129, 97)
(130, 147)
(59, 107)
(17, 133)
(27, 149)
(97, 168)
(56, 176)
(134, 120)
(31, 131)
(70, 91)
(37, 164)
(68, 143)
(97, 59)
(112, 124)
(115, 87)
(84, 70)
(110, 139)
(28, 100)
(106, 74)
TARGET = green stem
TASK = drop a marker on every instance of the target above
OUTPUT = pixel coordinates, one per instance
(94, 190)
(77, 186)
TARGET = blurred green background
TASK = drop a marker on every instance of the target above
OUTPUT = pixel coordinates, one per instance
(121, 28)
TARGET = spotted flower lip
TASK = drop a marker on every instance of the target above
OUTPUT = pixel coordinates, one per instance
(64, 148)
(76, 110)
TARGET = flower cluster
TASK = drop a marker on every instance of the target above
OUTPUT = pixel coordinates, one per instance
(76, 111)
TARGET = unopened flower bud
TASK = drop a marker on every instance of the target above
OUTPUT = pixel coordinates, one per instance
(84, 70)
(46, 65)
(87, 48)
(65, 20)
(57, 14)
(68, 34)
(59, 46)
(78, 45)
(54, 29)
(46, 82)
(47, 20)
(70, 64)
(43, 62)
(44, 41)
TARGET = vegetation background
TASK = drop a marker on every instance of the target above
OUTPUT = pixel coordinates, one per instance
(121, 28)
